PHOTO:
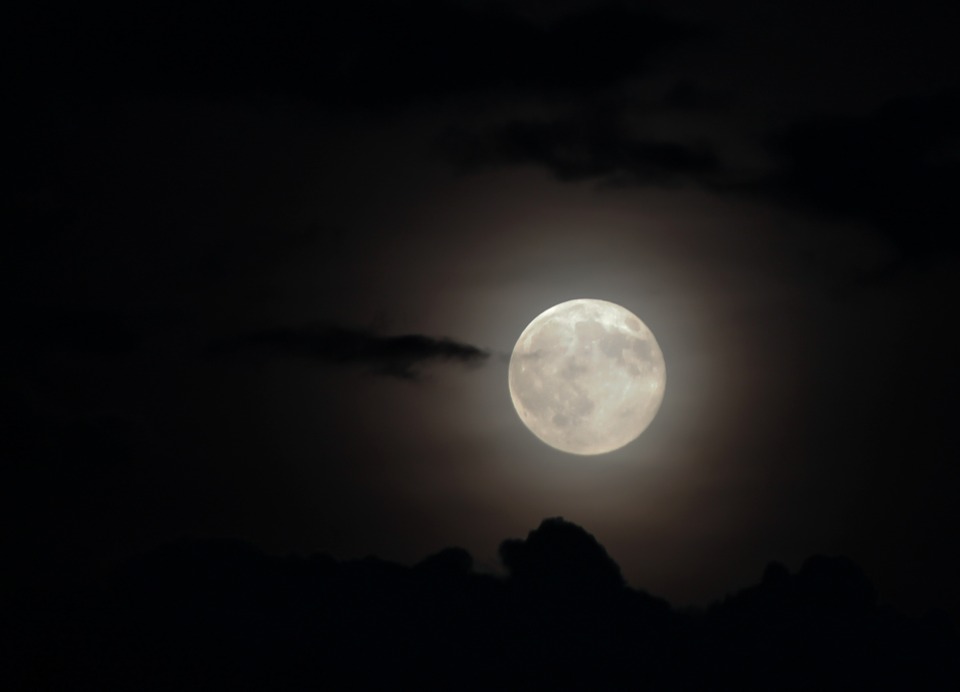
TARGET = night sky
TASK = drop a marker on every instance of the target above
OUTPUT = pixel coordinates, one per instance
(264, 269)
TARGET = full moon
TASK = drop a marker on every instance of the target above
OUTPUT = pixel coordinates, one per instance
(587, 376)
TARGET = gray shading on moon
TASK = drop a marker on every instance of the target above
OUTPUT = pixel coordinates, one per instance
(587, 376)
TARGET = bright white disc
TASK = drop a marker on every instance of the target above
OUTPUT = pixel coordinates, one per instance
(587, 376)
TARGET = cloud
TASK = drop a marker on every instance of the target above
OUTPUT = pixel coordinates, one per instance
(591, 145)
(897, 169)
(562, 556)
(224, 612)
(374, 52)
(394, 356)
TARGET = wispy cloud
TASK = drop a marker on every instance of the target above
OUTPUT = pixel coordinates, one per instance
(402, 356)
(589, 145)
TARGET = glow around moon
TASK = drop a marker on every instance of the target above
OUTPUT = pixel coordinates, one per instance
(587, 376)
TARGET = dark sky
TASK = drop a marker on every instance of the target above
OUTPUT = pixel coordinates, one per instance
(264, 268)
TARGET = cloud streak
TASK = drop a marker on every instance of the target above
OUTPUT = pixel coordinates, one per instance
(402, 356)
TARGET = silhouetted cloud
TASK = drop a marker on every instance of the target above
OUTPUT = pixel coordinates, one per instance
(395, 356)
(832, 584)
(447, 561)
(561, 555)
(224, 613)
(591, 145)
(373, 52)
(897, 168)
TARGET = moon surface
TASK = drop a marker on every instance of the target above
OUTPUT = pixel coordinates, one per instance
(587, 376)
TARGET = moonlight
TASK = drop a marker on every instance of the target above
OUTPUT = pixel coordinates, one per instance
(587, 376)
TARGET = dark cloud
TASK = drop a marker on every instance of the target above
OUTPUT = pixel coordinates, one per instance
(897, 169)
(592, 145)
(394, 356)
(447, 562)
(375, 52)
(225, 613)
(561, 556)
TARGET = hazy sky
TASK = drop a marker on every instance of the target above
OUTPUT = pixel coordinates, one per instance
(222, 216)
